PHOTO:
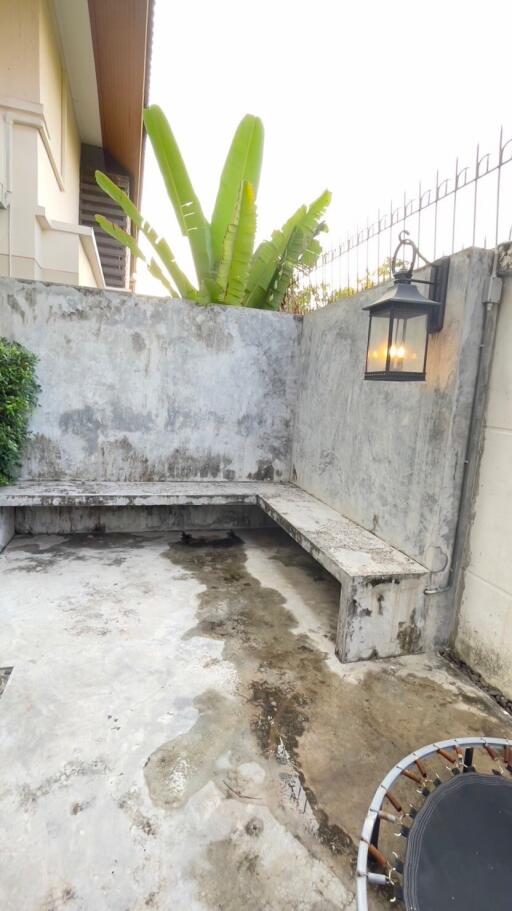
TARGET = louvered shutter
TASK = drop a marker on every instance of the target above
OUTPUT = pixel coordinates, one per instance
(115, 259)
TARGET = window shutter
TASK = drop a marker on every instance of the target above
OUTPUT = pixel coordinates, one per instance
(115, 259)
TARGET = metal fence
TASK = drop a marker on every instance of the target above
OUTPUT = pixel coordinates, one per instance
(471, 207)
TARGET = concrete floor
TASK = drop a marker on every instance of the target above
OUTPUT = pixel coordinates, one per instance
(176, 732)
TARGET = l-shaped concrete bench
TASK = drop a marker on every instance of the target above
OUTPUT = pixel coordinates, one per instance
(382, 602)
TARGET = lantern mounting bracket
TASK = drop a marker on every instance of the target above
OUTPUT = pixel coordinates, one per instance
(439, 285)
(438, 280)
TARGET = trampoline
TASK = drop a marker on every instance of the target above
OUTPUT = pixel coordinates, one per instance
(438, 834)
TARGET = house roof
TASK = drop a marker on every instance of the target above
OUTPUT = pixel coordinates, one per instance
(107, 49)
(121, 37)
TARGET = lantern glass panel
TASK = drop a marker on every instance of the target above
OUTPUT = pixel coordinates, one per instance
(408, 346)
(378, 342)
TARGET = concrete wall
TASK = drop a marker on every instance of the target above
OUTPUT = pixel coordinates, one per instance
(137, 388)
(484, 634)
(390, 455)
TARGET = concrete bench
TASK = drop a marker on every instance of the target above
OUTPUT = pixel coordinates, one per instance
(382, 602)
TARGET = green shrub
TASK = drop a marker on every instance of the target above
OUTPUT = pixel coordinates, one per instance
(18, 396)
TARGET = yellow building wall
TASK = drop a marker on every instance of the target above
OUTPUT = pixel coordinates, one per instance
(19, 49)
(484, 633)
(54, 95)
(40, 176)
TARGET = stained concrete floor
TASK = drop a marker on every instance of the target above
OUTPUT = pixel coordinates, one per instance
(176, 732)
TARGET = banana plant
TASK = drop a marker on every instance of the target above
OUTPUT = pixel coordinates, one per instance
(228, 270)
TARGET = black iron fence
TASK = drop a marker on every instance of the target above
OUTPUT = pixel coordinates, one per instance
(470, 207)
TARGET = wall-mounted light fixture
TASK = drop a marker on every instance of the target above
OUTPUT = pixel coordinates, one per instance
(402, 319)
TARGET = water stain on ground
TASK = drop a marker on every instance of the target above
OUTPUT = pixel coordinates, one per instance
(321, 740)
(44, 552)
(181, 767)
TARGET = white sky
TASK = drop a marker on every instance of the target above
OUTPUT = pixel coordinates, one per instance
(364, 98)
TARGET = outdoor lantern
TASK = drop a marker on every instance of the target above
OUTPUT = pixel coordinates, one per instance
(402, 319)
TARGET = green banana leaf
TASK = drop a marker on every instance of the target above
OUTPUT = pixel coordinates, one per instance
(266, 260)
(210, 292)
(179, 187)
(284, 274)
(185, 288)
(227, 270)
(120, 235)
(311, 253)
(243, 163)
(315, 211)
(127, 240)
(119, 196)
(302, 249)
(274, 259)
(156, 271)
(264, 265)
(238, 247)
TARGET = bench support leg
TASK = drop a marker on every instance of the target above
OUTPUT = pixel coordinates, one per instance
(6, 525)
(380, 618)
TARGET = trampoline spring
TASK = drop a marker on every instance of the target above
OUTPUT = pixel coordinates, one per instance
(421, 766)
(413, 777)
(492, 753)
(392, 799)
(378, 856)
(446, 755)
(387, 816)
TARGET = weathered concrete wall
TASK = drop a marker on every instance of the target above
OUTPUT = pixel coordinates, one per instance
(484, 633)
(390, 455)
(67, 520)
(137, 388)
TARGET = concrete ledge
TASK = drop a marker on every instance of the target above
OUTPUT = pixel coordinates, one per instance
(382, 605)
(137, 493)
(340, 545)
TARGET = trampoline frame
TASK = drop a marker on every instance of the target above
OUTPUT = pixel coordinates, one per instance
(370, 830)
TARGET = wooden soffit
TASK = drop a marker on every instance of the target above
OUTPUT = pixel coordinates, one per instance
(121, 37)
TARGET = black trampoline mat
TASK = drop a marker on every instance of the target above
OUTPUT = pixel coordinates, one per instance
(459, 849)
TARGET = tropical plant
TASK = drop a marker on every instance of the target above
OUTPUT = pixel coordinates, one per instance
(227, 269)
(18, 396)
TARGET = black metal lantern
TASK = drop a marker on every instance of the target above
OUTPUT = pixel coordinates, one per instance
(402, 319)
